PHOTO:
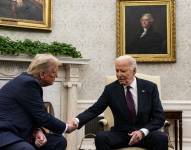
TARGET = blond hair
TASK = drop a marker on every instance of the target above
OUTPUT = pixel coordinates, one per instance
(41, 62)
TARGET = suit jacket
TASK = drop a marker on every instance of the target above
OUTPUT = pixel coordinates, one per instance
(150, 112)
(151, 43)
(22, 109)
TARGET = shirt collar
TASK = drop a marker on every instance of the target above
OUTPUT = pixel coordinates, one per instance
(145, 29)
(133, 84)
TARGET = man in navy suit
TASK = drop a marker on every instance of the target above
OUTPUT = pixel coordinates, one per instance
(22, 109)
(140, 129)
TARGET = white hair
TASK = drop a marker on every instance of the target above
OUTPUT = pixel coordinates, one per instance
(148, 15)
(130, 60)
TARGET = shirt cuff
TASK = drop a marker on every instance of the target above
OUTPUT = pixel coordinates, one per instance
(66, 128)
(77, 120)
(145, 131)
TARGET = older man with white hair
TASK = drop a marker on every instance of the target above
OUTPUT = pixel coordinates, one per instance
(136, 108)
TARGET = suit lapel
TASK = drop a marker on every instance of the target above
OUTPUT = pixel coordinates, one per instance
(121, 96)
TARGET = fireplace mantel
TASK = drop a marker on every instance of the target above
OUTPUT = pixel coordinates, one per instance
(25, 58)
(62, 94)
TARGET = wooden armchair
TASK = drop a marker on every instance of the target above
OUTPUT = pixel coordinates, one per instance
(50, 110)
(49, 107)
(107, 122)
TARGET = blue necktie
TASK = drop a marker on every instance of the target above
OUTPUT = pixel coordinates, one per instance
(130, 104)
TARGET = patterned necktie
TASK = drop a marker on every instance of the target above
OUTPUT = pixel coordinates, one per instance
(130, 104)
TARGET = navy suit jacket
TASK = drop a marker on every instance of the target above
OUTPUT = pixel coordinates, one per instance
(150, 112)
(22, 109)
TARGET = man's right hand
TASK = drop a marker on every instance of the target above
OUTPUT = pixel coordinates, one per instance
(40, 139)
(72, 125)
(136, 136)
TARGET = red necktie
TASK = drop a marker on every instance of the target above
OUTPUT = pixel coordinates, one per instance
(130, 104)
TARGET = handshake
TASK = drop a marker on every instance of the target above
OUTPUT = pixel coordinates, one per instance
(72, 125)
(40, 138)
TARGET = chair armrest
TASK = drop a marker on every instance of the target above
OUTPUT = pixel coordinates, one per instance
(166, 129)
(103, 122)
(166, 126)
(49, 108)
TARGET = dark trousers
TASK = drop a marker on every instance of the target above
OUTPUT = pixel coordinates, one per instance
(54, 142)
(108, 140)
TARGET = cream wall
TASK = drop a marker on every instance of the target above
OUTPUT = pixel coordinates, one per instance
(90, 25)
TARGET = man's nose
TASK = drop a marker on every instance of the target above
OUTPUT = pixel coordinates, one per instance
(119, 73)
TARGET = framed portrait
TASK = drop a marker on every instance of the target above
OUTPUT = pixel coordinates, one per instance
(146, 30)
(35, 14)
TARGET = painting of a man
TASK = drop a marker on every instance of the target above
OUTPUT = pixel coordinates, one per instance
(145, 36)
(146, 30)
(147, 40)
(22, 9)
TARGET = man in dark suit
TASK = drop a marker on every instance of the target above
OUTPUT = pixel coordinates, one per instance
(147, 40)
(133, 126)
(22, 109)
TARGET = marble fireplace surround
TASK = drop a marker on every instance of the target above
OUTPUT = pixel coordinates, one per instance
(62, 94)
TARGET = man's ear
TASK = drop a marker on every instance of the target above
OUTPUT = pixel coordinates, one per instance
(41, 75)
(134, 70)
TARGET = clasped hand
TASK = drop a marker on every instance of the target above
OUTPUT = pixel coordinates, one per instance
(40, 139)
(72, 125)
(136, 136)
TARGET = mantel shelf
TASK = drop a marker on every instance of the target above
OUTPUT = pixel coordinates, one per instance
(25, 58)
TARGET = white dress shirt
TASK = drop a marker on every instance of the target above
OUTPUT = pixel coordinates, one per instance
(134, 94)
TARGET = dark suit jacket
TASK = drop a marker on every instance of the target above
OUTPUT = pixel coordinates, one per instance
(151, 43)
(150, 112)
(22, 109)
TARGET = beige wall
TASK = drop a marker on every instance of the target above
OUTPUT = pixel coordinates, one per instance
(90, 25)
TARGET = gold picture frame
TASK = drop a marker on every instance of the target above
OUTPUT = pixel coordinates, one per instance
(34, 14)
(158, 43)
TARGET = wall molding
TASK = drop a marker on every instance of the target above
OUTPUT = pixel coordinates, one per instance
(177, 104)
